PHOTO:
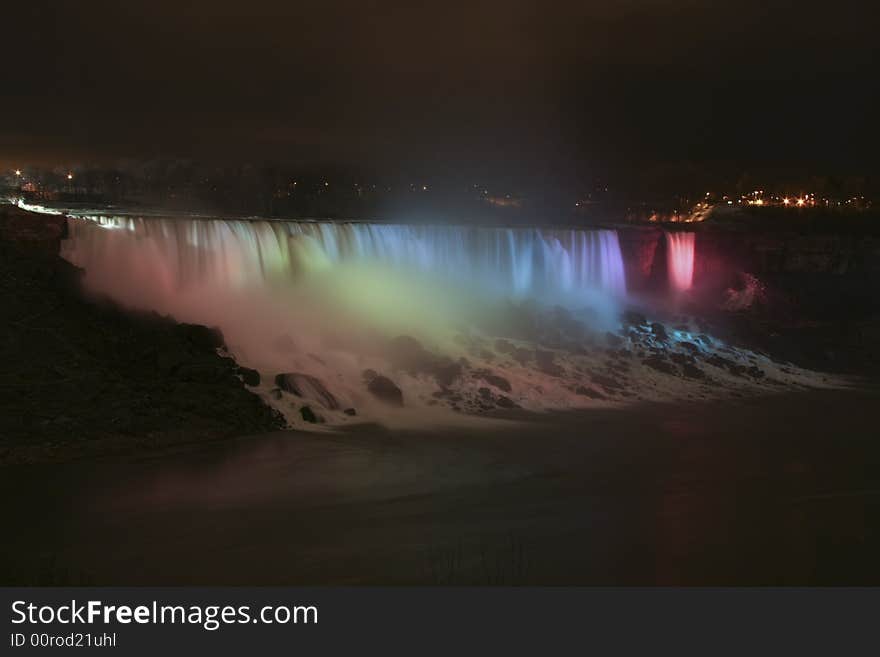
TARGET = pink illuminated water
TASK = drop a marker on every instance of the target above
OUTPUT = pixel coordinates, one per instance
(680, 260)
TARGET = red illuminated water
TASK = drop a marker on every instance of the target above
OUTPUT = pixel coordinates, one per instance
(680, 260)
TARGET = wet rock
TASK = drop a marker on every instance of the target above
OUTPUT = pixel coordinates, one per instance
(308, 414)
(755, 372)
(505, 402)
(719, 361)
(692, 371)
(307, 387)
(445, 371)
(605, 381)
(202, 337)
(661, 365)
(276, 394)
(681, 359)
(350, 411)
(732, 367)
(407, 354)
(383, 388)
(589, 392)
(619, 367)
(494, 380)
(659, 331)
(690, 346)
(249, 376)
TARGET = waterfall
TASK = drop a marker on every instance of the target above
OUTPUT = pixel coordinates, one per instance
(680, 260)
(513, 261)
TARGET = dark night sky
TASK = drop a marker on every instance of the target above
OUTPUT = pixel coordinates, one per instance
(501, 89)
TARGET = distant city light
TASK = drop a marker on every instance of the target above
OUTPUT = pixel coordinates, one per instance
(70, 176)
(18, 172)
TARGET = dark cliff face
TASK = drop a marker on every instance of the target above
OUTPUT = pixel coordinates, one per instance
(83, 377)
(721, 255)
(19, 226)
(644, 257)
(806, 291)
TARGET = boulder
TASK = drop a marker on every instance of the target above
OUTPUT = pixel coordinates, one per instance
(249, 376)
(407, 354)
(608, 382)
(589, 392)
(692, 371)
(659, 331)
(494, 380)
(661, 365)
(307, 387)
(383, 388)
(201, 337)
(505, 402)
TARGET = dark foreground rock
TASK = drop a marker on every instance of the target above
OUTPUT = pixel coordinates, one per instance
(309, 415)
(249, 376)
(494, 379)
(82, 377)
(383, 388)
(407, 354)
(307, 387)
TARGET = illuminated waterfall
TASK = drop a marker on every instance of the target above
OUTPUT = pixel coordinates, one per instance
(680, 260)
(513, 261)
